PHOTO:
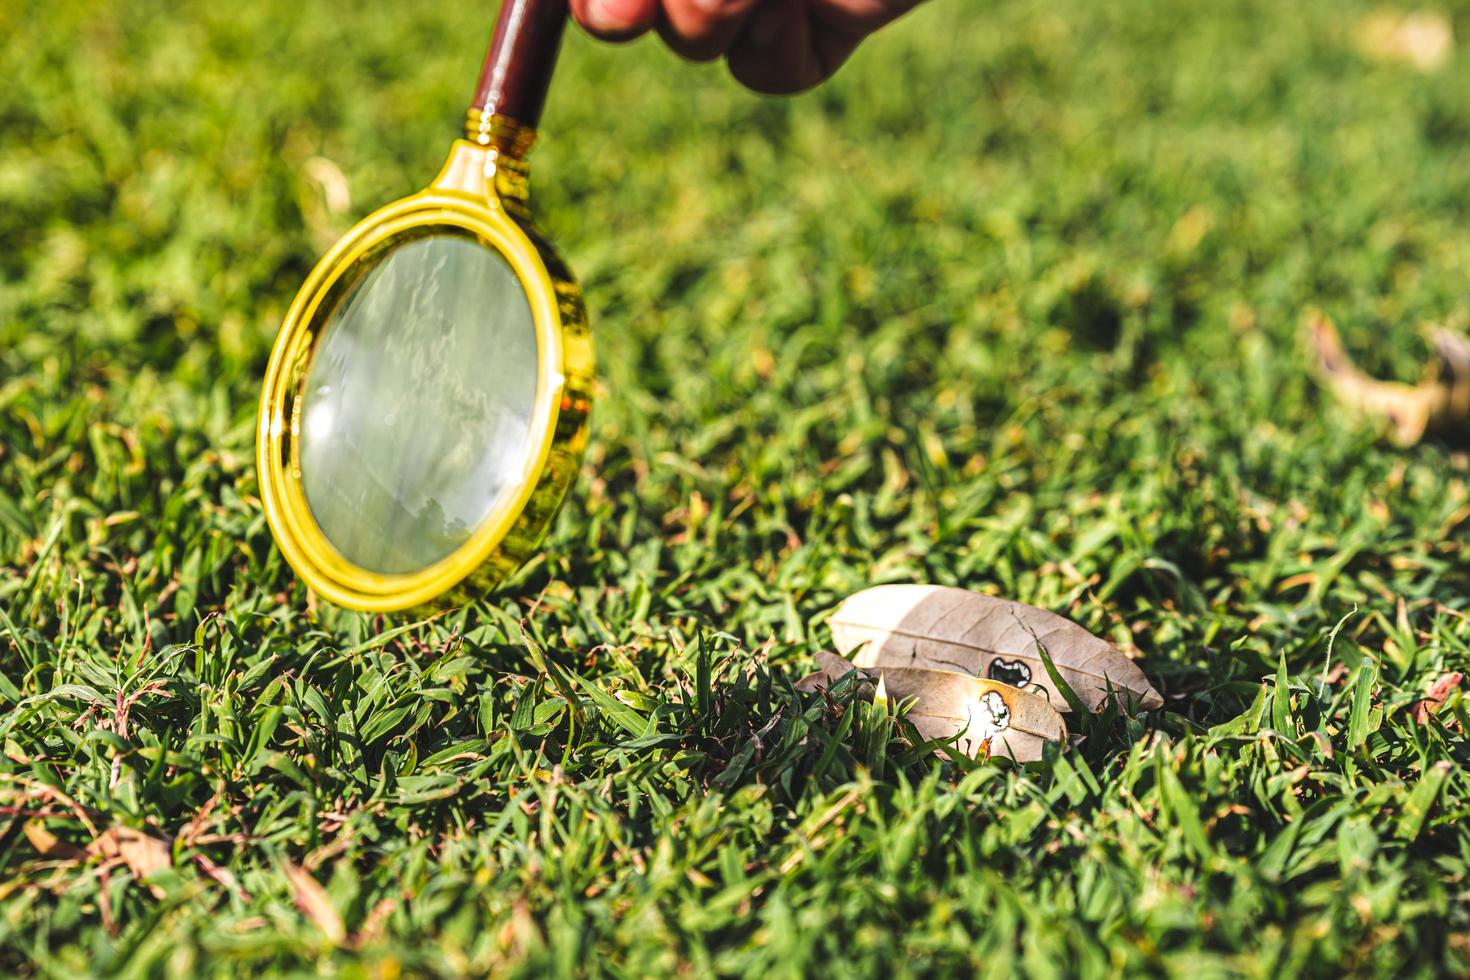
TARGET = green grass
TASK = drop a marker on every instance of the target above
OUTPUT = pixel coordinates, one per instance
(1013, 304)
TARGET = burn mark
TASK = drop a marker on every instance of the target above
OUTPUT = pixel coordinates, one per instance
(1012, 672)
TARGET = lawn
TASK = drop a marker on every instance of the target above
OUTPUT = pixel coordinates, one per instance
(1015, 303)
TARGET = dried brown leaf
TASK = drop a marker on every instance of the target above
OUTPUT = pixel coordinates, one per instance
(945, 628)
(142, 853)
(1439, 691)
(49, 846)
(314, 902)
(1440, 401)
(989, 717)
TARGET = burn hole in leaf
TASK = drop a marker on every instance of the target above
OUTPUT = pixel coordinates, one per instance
(994, 716)
(1012, 672)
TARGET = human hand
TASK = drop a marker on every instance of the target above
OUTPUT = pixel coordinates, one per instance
(774, 46)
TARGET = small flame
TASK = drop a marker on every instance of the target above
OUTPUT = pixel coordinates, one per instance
(880, 696)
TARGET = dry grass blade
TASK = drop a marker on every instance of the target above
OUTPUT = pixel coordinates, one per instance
(314, 902)
(1440, 401)
(944, 628)
(989, 717)
(221, 875)
(372, 926)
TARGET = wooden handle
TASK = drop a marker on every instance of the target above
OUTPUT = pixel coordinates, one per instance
(522, 54)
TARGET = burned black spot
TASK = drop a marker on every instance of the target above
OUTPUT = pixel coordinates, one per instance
(1012, 672)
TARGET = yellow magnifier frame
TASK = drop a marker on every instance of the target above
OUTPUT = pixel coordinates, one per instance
(480, 194)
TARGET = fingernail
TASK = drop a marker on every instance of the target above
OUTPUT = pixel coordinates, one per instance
(610, 15)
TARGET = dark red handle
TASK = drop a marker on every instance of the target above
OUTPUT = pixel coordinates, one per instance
(522, 55)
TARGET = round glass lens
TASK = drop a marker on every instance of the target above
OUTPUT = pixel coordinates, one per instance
(417, 405)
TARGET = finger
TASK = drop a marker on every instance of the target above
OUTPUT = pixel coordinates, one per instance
(860, 17)
(702, 30)
(615, 20)
(780, 52)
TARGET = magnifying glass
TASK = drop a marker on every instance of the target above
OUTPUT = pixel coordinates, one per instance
(425, 407)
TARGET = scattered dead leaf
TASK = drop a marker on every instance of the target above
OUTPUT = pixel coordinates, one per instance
(49, 846)
(1423, 39)
(1439, 402)
(141, 853)
(1439, 691)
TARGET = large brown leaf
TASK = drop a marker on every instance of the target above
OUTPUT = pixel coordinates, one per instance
(944, 628)
(989, 717)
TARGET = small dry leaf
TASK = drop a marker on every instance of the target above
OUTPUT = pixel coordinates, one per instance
(314, 902)
(1421, 38)
(333, 183)
(989, 717)
(1439, 402)
(49, 846)
(1435, 699)
(142, 854)
(944, 628)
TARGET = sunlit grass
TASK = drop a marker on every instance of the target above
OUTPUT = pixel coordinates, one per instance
(1012, 304)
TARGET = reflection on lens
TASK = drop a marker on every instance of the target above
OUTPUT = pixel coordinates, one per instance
(417, 405)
